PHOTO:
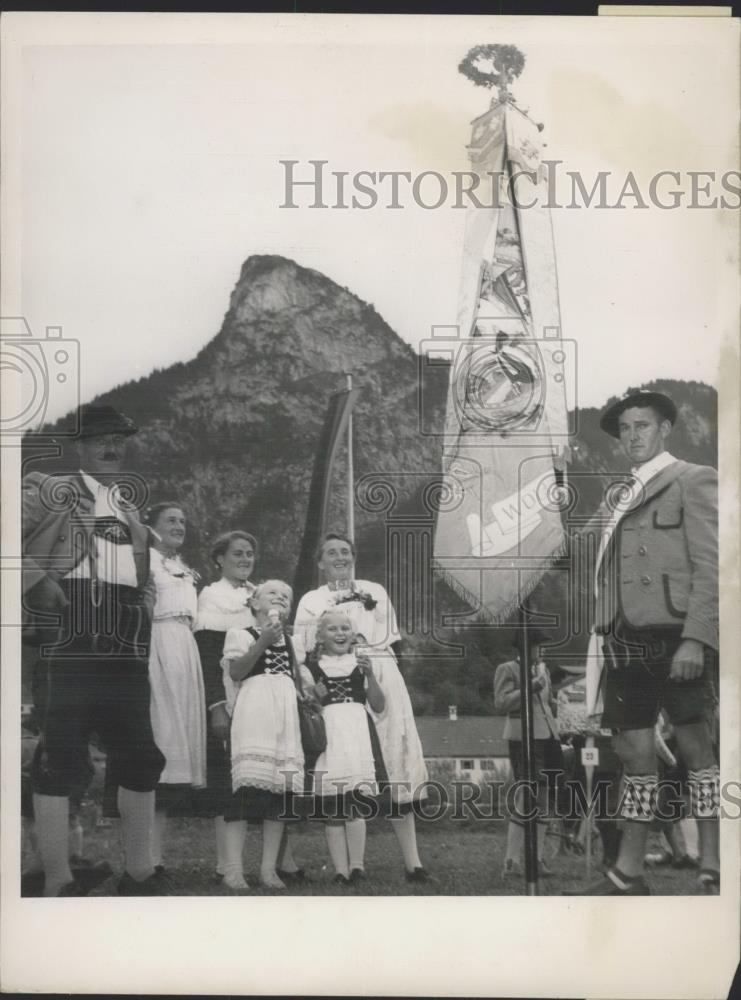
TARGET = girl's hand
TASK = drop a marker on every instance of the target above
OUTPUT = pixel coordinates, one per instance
(309, 692)
(272, 634)
(320, 691)
(364, 662)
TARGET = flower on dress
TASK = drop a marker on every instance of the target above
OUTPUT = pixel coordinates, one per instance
(177, 568)
(361, 596)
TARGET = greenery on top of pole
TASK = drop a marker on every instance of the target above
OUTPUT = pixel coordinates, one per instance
(505, 63)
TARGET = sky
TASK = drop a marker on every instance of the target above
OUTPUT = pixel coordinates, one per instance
(150, 172)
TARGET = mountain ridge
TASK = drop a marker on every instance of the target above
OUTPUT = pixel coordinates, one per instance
(231, 434)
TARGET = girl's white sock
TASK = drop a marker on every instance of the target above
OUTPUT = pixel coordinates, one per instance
(337, 844)
(355, 833)
(406, 833)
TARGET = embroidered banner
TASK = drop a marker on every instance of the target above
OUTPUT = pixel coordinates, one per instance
(506, 424)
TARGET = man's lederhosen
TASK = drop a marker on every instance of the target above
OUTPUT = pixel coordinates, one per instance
(97, 681)
(638, 664)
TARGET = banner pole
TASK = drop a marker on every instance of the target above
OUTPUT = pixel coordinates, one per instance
(589, 776)
(350, 473)
(528, 747)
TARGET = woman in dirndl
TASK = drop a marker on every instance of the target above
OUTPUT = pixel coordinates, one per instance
(177, 706)
(374, 624)
(222, 605)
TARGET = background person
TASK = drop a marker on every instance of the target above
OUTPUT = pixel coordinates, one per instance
(373, 617)
(546, 742)
(575, 727)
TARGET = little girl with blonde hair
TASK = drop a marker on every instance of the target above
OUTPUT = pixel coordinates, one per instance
(267, 756)
(345, 774)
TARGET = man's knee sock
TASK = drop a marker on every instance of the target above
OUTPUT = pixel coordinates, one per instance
(637, 808)
(137, 827)
(639, 797)
(704, 785)
(51, 813)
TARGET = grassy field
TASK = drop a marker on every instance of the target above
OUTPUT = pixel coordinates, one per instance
(464, 859)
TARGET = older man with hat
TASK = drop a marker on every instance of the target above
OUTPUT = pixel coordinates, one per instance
(87, 591)
(655, 637)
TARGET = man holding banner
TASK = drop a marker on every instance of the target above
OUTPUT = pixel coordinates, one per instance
(656, 632)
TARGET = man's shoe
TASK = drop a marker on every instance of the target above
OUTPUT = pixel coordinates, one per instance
(686, 861)
(418, 875)
(90, 876)
(709, 882)
(155, 885)
(71, 889)
(607, 886)
(32, 884)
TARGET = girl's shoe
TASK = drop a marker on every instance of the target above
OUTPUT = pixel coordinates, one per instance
(418, 875)
(270, 880)
(299, 875)
(357, 875)
(341, 879)
(235, 883)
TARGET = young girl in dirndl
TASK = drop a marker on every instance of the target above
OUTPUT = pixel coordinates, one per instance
(267, 756)
(345, 773)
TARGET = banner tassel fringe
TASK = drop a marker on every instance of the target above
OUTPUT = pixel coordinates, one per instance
(508, 611)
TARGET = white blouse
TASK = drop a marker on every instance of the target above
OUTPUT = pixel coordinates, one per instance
(176, 589)
(222, 606)
(338, 666)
